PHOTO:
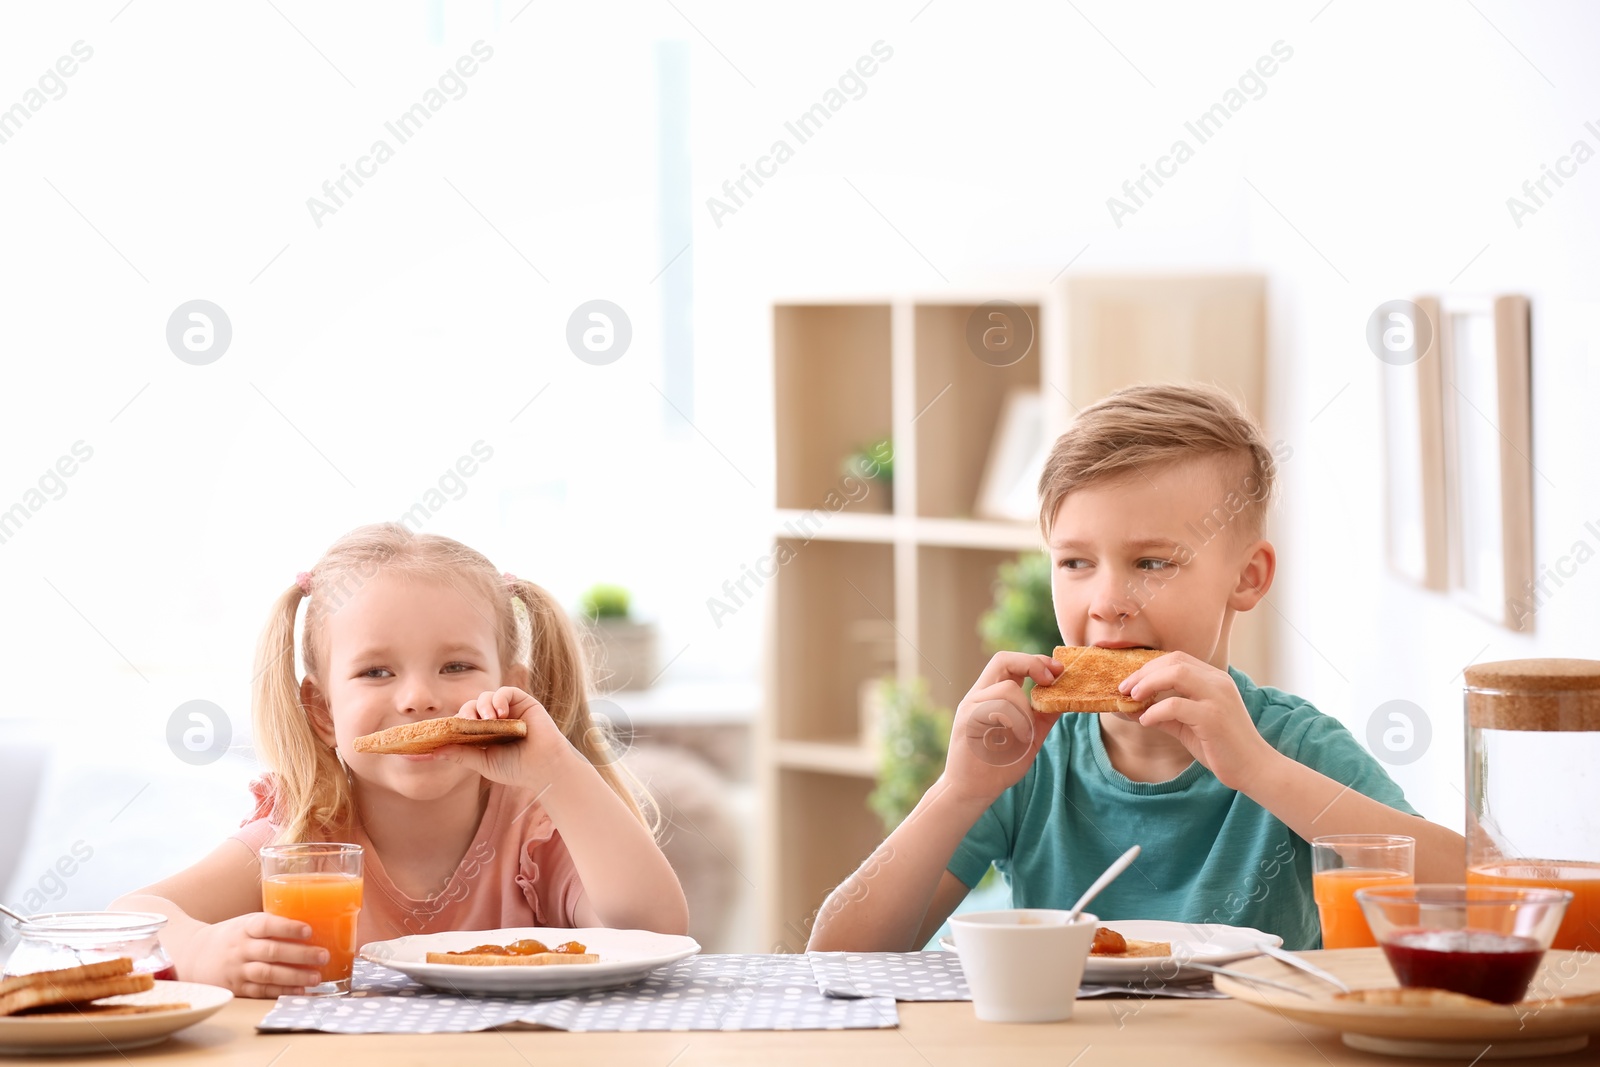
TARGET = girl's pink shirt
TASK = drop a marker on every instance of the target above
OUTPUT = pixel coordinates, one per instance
(517, 872)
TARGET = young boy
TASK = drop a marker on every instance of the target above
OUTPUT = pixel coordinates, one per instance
(1152, 507)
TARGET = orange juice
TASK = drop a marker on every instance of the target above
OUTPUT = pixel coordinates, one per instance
(328, 903)
(1580, 928)
(1343, 925)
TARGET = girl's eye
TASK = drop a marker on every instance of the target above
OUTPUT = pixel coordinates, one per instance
(373, 671)
(464, 667)
(1155, 564)
(1073, 564)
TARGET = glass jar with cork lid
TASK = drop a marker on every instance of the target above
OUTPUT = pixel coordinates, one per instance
(1533, 783)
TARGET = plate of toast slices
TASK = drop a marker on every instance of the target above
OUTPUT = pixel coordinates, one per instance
(530, 960)
(98, 1007)
(1089, 683)
(1560, 1012)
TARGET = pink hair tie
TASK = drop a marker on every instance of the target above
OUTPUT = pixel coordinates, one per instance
(303, 580)
(510, 579)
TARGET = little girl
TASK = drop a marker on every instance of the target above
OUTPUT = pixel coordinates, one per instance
(401, 627)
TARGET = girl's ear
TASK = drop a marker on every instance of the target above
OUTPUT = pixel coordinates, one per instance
(317, 714)
(518, 675)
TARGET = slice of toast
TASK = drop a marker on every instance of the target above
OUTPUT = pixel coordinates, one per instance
(1137, 950)
(97, 1009)
(539, 959)
(1414, 997)
(44, 992)
(418, 738)
(1089, 683)
(81, 973)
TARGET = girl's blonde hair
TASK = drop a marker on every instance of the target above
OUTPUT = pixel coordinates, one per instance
(313, 795)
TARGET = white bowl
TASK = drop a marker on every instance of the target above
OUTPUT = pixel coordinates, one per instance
(1023, 965)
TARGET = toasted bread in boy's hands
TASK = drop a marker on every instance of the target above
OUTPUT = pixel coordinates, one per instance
(418, 738)
(1090, 680)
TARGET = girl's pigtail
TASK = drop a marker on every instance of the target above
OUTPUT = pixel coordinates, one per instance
(559, 681)
(311, 788)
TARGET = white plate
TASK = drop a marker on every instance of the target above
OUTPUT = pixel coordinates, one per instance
(625, 956)
(72, 1032)
(1210, 943)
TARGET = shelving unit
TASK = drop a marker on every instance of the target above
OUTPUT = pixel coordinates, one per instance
(922, 570)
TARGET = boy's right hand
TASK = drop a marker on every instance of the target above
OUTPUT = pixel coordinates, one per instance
(255, 955)
(997, 733)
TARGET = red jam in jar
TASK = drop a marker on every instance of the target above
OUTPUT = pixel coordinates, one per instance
(1489, 966)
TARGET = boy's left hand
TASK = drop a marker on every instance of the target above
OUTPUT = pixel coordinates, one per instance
(1200, 706)
(530, 763)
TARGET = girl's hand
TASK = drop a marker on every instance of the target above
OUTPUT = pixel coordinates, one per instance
(997, 733)
(1200, 706)
(530, 763)
(255, 955)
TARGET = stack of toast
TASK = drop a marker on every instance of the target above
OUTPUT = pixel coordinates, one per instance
(75, 990)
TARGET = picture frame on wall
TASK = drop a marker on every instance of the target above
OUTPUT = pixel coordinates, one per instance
(1414, 472)
(1487, 434)
(1010, 485)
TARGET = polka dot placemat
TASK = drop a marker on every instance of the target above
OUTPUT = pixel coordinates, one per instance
(707, 992)
(901, 975)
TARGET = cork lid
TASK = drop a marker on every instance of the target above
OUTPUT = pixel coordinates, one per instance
(1534, 675)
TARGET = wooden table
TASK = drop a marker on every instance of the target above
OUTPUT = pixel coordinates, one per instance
(1189, 1032)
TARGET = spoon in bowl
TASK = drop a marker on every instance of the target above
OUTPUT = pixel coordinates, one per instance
(13, 916)
(1124, 861)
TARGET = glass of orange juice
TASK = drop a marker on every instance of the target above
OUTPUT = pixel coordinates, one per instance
(1343, 863)
(320, 885)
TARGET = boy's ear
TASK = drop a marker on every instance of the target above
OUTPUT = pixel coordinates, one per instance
(317, 713)
(1255, 576)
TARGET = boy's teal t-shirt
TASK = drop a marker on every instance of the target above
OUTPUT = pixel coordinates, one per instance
(1210, 854)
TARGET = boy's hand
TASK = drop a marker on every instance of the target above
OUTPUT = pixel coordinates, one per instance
(1200, 706)
(255, 955)
(996, 733)
(529, 763)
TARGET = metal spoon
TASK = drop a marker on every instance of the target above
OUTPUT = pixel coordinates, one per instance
(13, 916)
(1305, 965)
(1245, 977)
(1123, 863)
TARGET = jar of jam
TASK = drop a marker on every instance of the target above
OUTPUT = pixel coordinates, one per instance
(70, 938)
(1533, 784)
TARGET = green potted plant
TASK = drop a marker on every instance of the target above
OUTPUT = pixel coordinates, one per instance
(1023, 618)
(624, 648)
(914, 738)
(874, 464)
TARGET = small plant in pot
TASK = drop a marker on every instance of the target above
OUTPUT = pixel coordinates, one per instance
(873, 465)
(624, 648)
(914, 738)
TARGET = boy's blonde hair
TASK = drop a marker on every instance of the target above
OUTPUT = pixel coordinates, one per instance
(313, 794)
(1146, 426)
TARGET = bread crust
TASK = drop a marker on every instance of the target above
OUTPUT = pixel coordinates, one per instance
(1089, 683)
(538, 959)
(419, 738)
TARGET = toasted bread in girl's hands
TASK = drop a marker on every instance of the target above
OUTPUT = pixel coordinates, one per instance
(1089, 683)
(419, 738)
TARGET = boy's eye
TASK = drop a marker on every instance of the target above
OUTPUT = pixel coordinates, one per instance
(1155, 564)
(1073, 564)
(372, 672)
